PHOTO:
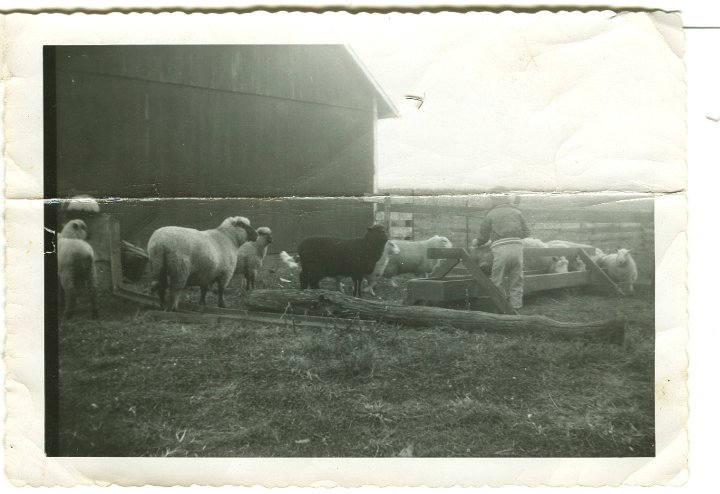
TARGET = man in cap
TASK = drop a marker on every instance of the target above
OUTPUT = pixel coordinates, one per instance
(505, 227)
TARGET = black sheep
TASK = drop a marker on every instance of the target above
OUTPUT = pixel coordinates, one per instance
(323, 257)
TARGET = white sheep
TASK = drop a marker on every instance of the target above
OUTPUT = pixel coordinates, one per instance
(621, 268)
(413, 258)
(76, 266)
(251, 256)
(181, 257)
(391, 248)
(535, 243)
(289, 260)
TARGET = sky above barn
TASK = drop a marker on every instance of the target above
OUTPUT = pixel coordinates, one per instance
(538, 102)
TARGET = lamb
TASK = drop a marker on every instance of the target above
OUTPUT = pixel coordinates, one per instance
(181, 257)
(413, 257)
(322, 257)
(621, 268)
(558, 265)
(76, 267)
(251, 256)
(576, 264)
(550, 265)
(289, 260)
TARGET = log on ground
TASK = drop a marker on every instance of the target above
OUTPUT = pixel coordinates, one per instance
(334, 304)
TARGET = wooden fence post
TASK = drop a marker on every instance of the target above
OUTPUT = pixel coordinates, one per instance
(388, 202)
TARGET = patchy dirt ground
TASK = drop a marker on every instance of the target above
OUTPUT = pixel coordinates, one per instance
(130, 386)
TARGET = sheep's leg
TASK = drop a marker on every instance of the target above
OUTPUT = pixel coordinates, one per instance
(174, 300)
(203, 292)
(161, 287)
(70, 301)
(339, 285)
(370, 288)
(303, 280)
(315, 282)
(93, 300)
(251, 280)
(92, 289)
(357, 283)
(61, 300)
(221, 292)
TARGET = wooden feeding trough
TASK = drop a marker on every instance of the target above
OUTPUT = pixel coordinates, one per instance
(476, 287)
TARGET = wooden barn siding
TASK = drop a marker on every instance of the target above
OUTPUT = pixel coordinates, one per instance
(170, 140)
(290, 220)
(315, 73)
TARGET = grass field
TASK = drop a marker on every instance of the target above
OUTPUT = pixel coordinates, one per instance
(130, 386)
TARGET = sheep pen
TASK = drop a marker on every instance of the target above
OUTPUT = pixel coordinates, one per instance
(133, 385)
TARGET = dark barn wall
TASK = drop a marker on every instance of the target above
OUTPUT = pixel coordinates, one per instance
(213, 121)
(291, 220)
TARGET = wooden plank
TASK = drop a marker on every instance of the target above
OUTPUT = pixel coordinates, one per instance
(485, 283)
(445, 253)
(444, 267)
(541, 282)
(533, 252)
(442, 289)
(599, 273)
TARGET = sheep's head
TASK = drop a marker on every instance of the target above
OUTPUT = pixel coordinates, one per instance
(579, 264)
(392, 248)
(441, 242)
(75, 229)
(623, 256)
(559, 265)
(376, 234)
(240, 226)
(265, 234)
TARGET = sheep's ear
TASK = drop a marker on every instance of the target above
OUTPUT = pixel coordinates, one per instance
(554, 258)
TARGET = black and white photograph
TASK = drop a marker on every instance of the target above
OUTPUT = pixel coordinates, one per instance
(391, 246)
